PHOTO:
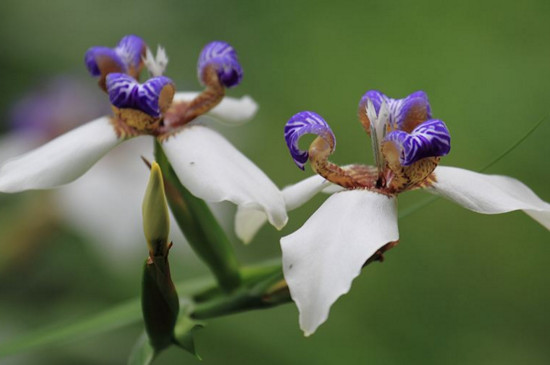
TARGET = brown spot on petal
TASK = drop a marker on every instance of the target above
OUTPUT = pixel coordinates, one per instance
(133, 122)
(416, 115)
(106, 65)
(401, 178)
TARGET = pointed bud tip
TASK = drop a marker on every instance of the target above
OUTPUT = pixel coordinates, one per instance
(156, 222)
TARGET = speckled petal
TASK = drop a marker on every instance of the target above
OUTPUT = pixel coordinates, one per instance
(126, 92)
(61, 160)
(306, 123)
(224, 58)
(429, 139)
(489, 194)
(321, 259)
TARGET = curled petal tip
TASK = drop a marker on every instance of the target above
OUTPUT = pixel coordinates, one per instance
(101, 60)
(126, 57)
(429, 139)
(376, 98)
(306, 123)
(151, 97)
(223, 58)
(131, 49)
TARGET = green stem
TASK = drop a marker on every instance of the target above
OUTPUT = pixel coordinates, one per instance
(261, 295)
(199, 226)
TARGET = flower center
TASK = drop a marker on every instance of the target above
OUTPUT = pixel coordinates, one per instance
(406, 144)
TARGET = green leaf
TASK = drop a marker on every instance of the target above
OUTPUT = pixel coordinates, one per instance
(118, 316)
(142, 353)
(200, 227)
(114, 318)
(111, 319)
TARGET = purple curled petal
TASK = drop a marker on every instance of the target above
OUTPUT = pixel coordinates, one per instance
(130, 49)
(429, 139)
(122, 90)
(126, 92)
(224, 58)
(95, 57)
(149, 94)
(408, 112)
(306, 123)
(376, 97)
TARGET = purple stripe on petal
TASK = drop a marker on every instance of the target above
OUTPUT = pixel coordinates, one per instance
(405, 114)
(126, 92)
(306, 123)
(376, 97)
(429, 139)
(97, 58)
(224, 58)
(409, 112)
(131, 49)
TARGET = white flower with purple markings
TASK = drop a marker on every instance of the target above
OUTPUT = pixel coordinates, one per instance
(206, 163)
(358, 222)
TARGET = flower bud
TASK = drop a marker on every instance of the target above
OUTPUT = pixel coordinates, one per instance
(156, 222)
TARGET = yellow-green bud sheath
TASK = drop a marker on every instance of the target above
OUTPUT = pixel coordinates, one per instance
(156, 221)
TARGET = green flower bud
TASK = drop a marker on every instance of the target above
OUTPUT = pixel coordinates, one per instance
(156, 222)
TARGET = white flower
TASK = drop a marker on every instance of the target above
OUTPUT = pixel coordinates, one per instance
(321, 259)
(207, 164)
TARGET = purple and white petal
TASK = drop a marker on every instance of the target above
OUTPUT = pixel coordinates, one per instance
(60, 161)
(377, 98)
(224, 58)
(131, 50)
(406, 113)
(489, 194)
(213, 170)
(233, 111)
(248, 220)
(125, 92)
(306, 123)
(98, 58)
(321, 259)
(409, 112)
(429, 139)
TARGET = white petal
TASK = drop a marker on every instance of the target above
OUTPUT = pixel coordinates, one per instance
(14, 144)
(234, 111)
(489, 194)
(213, 170)
(116, 185)
(61, 160)
(321, 259)
(300, 193)
(249, 220)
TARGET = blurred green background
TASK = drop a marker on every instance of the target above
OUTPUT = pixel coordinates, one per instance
(461, 288)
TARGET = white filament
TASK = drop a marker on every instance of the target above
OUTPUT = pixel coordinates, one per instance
(378, 127)
(156, 65)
